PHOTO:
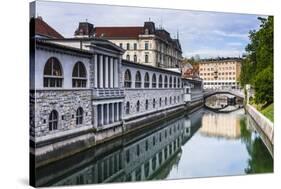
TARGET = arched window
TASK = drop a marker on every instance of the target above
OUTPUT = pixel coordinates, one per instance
(175, 100)
(127, 79)
(166, 82)
(170, 82)
(175, 82)
(79, 116)
(146, 104)
(53, 120)
(138, 80)
(179, 82)
(138, 106)
(79, 75)
(127, 107)
(128, 57)
(160, 82)
(53, 73)
(170, 100)
(154, 81)
(166, 100)
(160, 102)
(135, 58)
(154, 103)
(146, 80)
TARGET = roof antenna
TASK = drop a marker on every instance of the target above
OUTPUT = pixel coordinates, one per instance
(149, 19)
(177, 34)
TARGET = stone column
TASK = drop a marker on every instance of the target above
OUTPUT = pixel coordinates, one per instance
(106, 72)
(119, 71)
(120, 111)
(101, 115)
(112, 113)
(101, 71)
(95, 116)
(116, 73)
(107, 114)
(117, 111)
(96, 71)
(111, 73)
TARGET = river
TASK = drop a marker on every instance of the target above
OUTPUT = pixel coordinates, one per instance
(198, 144)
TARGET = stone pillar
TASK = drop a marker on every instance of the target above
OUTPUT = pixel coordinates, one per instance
(116, 73)
(120, 111)
(119, 71)
(107, 114)
(115, 111)
(101, 71)
(112, 113)
(106, 72)
(95, 116)
(101, 115)
(96, 71)
(111, 73)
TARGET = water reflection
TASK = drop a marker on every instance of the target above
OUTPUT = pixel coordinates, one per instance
(195, 145)
(216, 125)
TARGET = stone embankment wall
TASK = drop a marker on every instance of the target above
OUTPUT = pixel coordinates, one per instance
(263, 123)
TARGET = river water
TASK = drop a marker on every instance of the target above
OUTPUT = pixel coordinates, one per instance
(198, 144)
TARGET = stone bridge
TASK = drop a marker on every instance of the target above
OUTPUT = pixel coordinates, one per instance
(234, 92)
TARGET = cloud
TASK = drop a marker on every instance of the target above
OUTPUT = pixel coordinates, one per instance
(235, 44)
(231, 34)
(213, 53)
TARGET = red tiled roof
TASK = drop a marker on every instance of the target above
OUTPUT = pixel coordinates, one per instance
(42, 28)
(132, 32)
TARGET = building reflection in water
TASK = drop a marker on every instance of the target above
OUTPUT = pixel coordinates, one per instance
(134, 158)
(226, 126)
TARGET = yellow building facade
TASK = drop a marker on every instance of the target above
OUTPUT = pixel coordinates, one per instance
(220, 74)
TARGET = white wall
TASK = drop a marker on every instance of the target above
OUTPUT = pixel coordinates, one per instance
(67, 64)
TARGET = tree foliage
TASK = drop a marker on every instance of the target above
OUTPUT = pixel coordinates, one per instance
(257, 67)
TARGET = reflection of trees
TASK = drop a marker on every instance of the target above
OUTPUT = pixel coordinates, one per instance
(261, 160)
(245, 133)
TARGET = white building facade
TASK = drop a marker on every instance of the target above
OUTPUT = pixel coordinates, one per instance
(143, 44)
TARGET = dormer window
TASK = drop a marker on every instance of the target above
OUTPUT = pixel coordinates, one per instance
(146, 32)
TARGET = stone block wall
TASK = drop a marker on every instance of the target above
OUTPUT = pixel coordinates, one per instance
(134, 95)
(66, 103)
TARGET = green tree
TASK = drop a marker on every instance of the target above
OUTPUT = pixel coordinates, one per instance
(257, 67)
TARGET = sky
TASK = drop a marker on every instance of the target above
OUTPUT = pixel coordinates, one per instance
(207, 34)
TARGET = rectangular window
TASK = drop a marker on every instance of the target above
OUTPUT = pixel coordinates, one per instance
(121, 45)
(135, 46)
(146, 58)
(146, 45)
(128, 46)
